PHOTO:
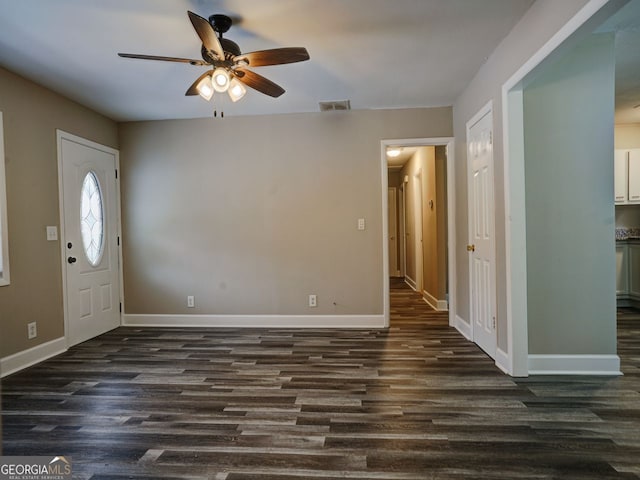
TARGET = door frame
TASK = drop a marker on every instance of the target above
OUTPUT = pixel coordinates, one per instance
(62, 135)
(515, 361)
(487, 109)
(448, 142)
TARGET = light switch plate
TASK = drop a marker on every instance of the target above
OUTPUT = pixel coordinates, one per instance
(52, 233)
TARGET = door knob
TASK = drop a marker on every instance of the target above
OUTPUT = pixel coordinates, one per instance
(471, 248)
(71, 259)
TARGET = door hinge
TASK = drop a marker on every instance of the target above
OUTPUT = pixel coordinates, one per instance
(116, 173)
(120, 307)
(494, 323)
(118, 239)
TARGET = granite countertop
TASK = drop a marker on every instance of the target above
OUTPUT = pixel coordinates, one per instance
(626, 233)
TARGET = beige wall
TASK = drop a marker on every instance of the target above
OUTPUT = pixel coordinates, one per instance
(431, 169)
(538, 25)
(31, 116)
(441, 222)
(627, 135)
(569, 192)
(252, 214)
(394, 180)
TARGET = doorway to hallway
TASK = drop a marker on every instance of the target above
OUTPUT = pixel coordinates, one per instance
(418, 224)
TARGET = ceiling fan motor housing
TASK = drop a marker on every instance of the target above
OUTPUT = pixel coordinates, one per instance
(220, 23)
(230, 46)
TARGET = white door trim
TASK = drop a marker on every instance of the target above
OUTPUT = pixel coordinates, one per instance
(60, 135)
(451, 217)
(516, 359)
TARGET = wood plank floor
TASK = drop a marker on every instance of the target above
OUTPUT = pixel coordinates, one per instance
(414, 402)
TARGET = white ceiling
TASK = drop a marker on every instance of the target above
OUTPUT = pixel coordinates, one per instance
(396, 163)
(375, 53)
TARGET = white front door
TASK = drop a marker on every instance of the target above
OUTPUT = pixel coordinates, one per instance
(89, 237)
(392, 198)
(481, 233)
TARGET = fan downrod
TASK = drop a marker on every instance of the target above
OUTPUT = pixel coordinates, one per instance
(221, 23)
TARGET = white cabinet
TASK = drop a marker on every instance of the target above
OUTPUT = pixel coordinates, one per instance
(634, 270)
(633, 172)
(622, 269)
(620, 175)
(628, 273)
(627, 176)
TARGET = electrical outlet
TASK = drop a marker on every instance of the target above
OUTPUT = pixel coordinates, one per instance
(191, 301)
(313, 301)
(32, 330)
(361, 224)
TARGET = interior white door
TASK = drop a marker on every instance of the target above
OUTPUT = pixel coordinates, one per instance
(89, 237)
(402, 231)
(620, 176)
(482, 243)
(418, 232)
(392, 202)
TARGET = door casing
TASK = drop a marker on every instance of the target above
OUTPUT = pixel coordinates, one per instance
(451, 217)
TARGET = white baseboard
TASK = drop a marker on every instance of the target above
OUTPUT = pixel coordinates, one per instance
(574, 365)
(502, 361)
(411, 282)
(21, 360)
(463, 327)
(255, 321)
(433, 302)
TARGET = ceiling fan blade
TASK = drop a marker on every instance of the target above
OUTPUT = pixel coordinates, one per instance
(258, 82)
(192, 90)
(207, 34)
(275, 56)
(164, 59)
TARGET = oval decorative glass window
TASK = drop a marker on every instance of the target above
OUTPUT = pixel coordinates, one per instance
(91, 224)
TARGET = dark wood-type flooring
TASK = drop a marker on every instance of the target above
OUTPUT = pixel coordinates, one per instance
(414, 402)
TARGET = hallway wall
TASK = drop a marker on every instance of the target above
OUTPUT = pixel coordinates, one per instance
(430, 169)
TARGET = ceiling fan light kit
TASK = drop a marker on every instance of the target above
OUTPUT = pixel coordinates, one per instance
(205, 88)
(220, 79)
(236, 90)
(230, 71)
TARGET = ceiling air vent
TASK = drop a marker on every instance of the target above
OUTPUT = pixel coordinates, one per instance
(337, 105)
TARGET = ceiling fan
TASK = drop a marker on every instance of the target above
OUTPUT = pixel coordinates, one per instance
(229, 72)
